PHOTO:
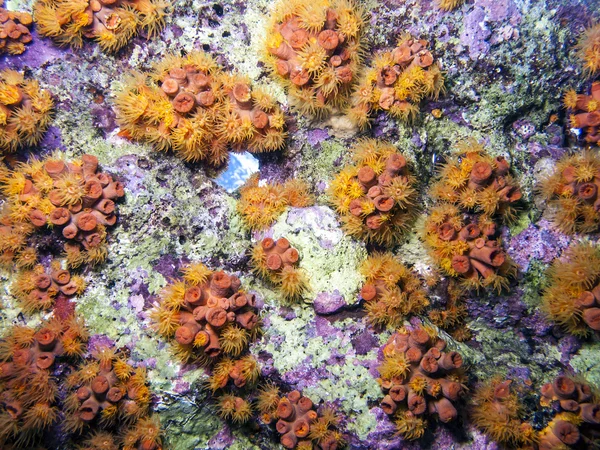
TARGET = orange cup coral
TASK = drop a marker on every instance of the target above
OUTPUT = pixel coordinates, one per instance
(391, 291)
(112, 23)
(25, 111)
(14, 31)
(190, 106)
(572, 297)
(375, 197)
(419, 379)
(572, 193)
(277, 262)
(28, 391)
(314, 49)
(261, 204)
(588, 49)
(584, 112)
(478, 182)
(467, 248)
(497, 411)
(207, 314)
(397, 82)
(71, 196)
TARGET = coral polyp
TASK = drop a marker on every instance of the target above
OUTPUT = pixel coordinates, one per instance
(191, 106)
(397, 82)
(478, 182)
(261, 203)
(467, 247)
(15, 33)
(25, 111)
(198, 311)
(420, 380)
(584, 112)
(571, 191)
(113, 24)
(391, 291)
(588, 49)
(314, 50)
(572, 297)
(375, 197)
(277, 261)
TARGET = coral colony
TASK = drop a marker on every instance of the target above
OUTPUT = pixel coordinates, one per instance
(416, 264)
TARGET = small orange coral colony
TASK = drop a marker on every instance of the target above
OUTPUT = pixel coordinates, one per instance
(572, 193)
(35, 289)
(112, 23)
(25, 111)
(207, 314)
(397, 82)
(584, 112)
(419, 379)
(497, 411)
(261, 204)
(14, 31)
(375, 197)
(105, 392)
(313, 48)
(577, 422)
(467, 248)
(391, 291)
(190, 106)
(572, 298)
(73, 197)
(277, 261)
(449, 5)
(477, 182)
(588, 49)
(28, 391)
(298, 422)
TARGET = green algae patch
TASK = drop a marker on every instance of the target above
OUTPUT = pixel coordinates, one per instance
(587, 363)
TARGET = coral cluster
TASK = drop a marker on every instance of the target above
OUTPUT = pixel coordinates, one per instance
(572, 297)
(314, 49)
(25, 111)
(419, 379)
(28, 390)
(397, 82)
(73, 197)
(191, 106)
(449, 5)
(466, 247)
(277, 261)
(36, 289)
(207, 314)
(14, 31)
(391, 291)
(298, 421)
(475, 181)
(261, 204)
(375, 197)
(577, 422)
(112, 23)
(584, 111)
(572, 193)
(588, 49)
(497, 411)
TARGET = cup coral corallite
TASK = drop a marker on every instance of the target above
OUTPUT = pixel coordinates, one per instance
(397, 82)
(420, 381)
(314, 49)
(571, 191)
(584, 112)
(25, 111)
(588, 49)
(572, 297)
(14, 31)
(391, 291)
(112, 23)
(188, 104)
(375, 197)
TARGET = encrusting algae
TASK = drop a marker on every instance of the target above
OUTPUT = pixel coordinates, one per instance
(397, 82)
(188, 104)
(313, 48)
